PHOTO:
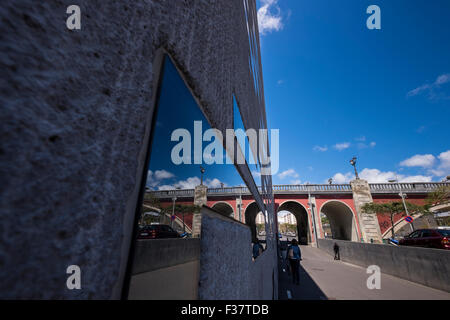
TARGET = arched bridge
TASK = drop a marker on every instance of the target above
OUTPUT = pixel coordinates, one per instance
(340, 203)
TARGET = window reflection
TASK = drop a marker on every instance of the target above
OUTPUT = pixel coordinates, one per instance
(187, 169)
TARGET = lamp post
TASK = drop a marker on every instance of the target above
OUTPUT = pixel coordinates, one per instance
(353, 163)
(173, 210)
(240, 204)
(403, 196)
(202, 171)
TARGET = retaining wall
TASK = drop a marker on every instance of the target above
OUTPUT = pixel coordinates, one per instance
(430, 267)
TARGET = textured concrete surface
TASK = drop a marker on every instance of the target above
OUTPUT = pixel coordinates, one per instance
(323, 278)
(430, 267)
(76, 110)
(227, 271)
(178, 282)
(160, 253)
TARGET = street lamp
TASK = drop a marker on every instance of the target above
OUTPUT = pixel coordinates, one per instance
(173, 210)
(353, 163)
(403, 196)
(202, 171)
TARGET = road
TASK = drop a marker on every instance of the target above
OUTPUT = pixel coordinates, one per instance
(322, 278)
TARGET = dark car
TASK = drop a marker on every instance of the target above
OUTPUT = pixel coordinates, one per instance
(429, 238)
(157, 231)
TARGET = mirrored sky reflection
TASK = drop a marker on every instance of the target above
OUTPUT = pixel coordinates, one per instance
(177, 109)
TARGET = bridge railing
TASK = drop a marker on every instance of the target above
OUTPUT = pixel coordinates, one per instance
(173, 193)
(416, 187)
(406, 187)
(312, 188)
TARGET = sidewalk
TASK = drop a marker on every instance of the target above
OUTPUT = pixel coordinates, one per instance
(323, 278)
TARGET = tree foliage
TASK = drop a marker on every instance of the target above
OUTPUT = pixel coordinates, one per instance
(440, 196)
(394, 208)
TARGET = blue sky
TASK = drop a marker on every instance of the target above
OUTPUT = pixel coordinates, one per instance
(336, 89)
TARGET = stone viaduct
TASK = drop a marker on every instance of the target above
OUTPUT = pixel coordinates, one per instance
(341, 203)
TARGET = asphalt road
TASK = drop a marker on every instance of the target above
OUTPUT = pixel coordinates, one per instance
(322, 278)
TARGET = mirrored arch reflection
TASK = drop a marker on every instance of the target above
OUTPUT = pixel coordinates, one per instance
(187, 169)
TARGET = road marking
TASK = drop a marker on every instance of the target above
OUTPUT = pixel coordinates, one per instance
(289, 294)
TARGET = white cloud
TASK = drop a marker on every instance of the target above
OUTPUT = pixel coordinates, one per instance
(444, 157)
(297, 181)
(430, 88)
(342, 146)
(191, 183)
(443, 79)
(340, 178)
(418, 90)
(362, 138)
(419, 160)
(155, 178)
(378, 176)
(321, 149)
(163, 174)
(418, 178)
(288, 173)
(444, 166)
(269, 17)
(373, 144)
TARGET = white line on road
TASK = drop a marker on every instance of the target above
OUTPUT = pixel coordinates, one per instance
(289, 294)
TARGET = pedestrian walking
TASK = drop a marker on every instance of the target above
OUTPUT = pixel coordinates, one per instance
(337, 255)
(257, 249)
(295, 256)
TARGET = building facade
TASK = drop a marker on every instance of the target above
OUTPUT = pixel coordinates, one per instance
(77, 117)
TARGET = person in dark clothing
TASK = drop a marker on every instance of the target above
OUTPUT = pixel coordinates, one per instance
(295, 256)
(337, 256)
(257, 249)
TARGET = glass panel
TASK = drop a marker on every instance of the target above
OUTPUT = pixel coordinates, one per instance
(187, 167)
(248, 143)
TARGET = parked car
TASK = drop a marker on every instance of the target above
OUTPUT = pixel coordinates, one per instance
(157, 231)
(429, 238)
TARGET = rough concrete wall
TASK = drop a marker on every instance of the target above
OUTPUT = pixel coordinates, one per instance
(430, 267)
(227, 271)
(162, 253)
(75, 112)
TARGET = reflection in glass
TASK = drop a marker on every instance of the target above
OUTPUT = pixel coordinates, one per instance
(187, 168)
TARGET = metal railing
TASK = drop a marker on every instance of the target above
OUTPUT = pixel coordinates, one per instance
(419, 187)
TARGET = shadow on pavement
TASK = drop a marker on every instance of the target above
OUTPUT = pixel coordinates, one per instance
(306, 290)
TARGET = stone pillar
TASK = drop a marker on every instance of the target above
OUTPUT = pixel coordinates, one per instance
(239, 208)
(368, 222)
(200, 199)
(317, 218)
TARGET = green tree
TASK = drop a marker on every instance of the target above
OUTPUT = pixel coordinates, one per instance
(392, 209)
(440, 196)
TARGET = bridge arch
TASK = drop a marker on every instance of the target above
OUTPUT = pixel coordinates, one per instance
(301, 215)
(342, 220)
(251, 211)
(224, 208)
